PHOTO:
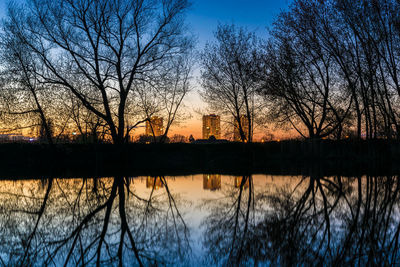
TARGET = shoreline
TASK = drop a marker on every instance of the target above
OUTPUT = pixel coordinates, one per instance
(318, 157)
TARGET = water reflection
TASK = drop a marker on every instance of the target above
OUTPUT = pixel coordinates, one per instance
(240, 179)
(320, 221)
(227, 226)
(154, 182)
(90, 221)
(211, 182)
(201, 220)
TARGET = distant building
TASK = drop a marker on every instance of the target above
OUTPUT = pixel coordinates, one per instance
(244, 121)
(211, 182)
(154, 182)
(211, 126)
(238, 182)
(157, 124)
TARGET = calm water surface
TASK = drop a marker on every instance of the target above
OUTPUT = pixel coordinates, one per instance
(200, 220)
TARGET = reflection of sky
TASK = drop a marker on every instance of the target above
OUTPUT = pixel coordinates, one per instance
(192, 200)
(274, 197)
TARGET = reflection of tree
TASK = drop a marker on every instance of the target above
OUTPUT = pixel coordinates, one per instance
(228, 225)
(328, 220)
(298, 228)
(163, 227)
(99, 221)
(310, 221)
(320, 221)
(372, 225)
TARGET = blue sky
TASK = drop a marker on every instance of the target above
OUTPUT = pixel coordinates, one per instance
(255, 15)
(2, 7)
(204, 15)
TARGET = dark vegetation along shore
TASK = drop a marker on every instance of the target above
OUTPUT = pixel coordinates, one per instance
(318, 157)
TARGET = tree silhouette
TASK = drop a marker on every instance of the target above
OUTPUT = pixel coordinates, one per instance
(92, 221)
(100, 52)
(227, 77)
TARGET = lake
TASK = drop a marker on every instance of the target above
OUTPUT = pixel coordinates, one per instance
(200, 220)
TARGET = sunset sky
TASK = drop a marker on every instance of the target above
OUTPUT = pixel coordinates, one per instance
(203, 18)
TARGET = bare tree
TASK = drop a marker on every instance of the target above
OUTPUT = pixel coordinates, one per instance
(375, 50)
(24, 100)
(164, 97)
(99, 50)
(301, 76)
(333, 66)
(85, 126)
(228, 86)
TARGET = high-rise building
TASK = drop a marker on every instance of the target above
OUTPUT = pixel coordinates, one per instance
(211, 181)
(244, 121)
(157, 124)
(211, 126)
